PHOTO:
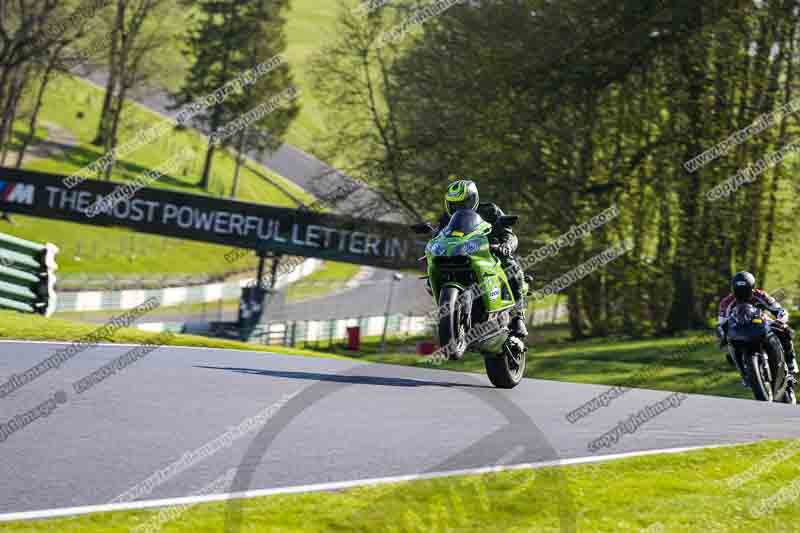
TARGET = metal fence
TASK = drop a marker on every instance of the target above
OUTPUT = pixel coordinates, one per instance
(100, 300)
(319, 333)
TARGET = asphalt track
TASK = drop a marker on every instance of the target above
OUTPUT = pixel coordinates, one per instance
(335, 420)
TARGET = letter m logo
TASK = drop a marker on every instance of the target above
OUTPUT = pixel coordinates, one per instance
(17, 193)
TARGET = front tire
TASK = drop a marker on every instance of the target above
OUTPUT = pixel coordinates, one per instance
(760, 378)
(452, 327)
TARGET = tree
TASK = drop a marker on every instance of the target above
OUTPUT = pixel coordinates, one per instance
(562, 109)
(228, 40)
(136, 35)
(29, 32)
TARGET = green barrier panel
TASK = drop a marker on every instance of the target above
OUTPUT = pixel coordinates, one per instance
(26, 279)
(17, 292)
(27, 275)
(17, 306)
(9, 242)
(18, 260)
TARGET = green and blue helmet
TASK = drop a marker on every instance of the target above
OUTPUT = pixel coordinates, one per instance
(461, 194)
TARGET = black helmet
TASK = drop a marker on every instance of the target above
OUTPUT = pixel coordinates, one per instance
(461, 194)
(742, 286)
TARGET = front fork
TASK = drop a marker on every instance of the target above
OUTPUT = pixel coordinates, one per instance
(737, 362)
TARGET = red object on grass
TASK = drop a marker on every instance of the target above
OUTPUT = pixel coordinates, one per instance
(354, 338)
(426, 347)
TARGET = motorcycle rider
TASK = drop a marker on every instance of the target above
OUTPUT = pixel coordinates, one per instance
(743, 291)
(463, 194)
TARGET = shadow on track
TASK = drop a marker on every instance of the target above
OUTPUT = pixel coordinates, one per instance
(351, 379)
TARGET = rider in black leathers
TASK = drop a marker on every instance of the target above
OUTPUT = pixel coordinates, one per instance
(463, 194)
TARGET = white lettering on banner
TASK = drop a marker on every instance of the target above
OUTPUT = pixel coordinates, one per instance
(270, 227)
(222, 218)
(170, 211)
(277, 236)
(356, 244)
(328, 233)
(220, 222)
(21, 194)
(312, 236)
(204, 221)
(343, 239)
(295, 240)
(372, 244)
(236, 223)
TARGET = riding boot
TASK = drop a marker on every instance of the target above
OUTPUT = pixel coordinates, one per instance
(518, 327)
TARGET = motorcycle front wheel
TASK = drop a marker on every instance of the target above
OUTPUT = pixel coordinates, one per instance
(452, 327)
(760, 378)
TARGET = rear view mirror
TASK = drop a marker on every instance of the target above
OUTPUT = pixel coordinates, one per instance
(423, 228)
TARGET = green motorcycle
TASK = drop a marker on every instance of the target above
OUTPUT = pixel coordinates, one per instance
(475, 300)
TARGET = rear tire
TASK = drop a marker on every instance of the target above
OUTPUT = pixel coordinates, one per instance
(451, 326)
(505, 370)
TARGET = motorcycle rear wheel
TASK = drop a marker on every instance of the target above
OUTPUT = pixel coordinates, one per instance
(790, 397)
(505, 370)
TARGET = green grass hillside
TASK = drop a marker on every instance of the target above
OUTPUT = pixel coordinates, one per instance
(75, 105)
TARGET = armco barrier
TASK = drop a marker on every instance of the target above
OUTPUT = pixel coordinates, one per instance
(127, 299)
(27, 275)
(290, 333)
(293, 332)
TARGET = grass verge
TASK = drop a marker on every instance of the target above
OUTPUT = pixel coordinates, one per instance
(702, 370)
(14, 325)
(660, 493)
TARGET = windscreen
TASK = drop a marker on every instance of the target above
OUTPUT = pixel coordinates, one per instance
(745, 313)
(742, 326)
(464, 220)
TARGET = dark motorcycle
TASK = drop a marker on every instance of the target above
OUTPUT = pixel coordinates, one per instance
(758, 353)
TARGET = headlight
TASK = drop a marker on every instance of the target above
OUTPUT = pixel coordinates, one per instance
(469, 247)
(438, 248)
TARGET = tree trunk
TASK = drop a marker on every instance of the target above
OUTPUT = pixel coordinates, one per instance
(34, 116)
(10, 110)
(239, 160)
(207, 166)
(104, 124)
(117, 108)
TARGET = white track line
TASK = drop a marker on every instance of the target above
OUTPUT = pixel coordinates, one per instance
(337, 485)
